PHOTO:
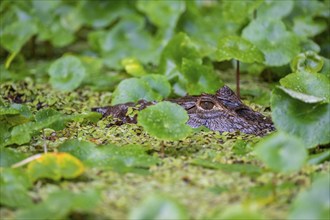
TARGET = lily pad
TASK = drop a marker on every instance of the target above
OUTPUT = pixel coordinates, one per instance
(234, 47)
(55, 166)
(165, 120)
(271, 37)
(282, 152)
(66, 73)
(308, 121)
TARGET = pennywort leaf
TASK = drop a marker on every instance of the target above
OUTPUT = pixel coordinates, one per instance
(308, 121)
(66, 73)
(314, 203)
(165, 120)
(282, 152)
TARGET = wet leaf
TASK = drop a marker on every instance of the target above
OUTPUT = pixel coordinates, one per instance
(60, 204)
(159, 207)
(308, 61)
(271, 37)
(234, 47)
(282, 152)
(55, 166)
(66, 73)
(133, 90)
(316, 84)
(165, 120)
(301, 96)
(14, 188)
(314, 203)
(308, 121)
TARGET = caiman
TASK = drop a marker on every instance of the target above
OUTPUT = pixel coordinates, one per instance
(223, 112)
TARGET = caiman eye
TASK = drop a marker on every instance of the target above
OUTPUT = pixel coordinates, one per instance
(206, 105)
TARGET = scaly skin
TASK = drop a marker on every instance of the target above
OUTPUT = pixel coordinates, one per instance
(221, 112)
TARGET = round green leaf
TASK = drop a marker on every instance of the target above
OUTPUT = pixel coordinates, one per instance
(316, 85)
(313, 203)
(234, 47)
(271, 9)
(158, 10)
(9, 157)
(277, 44)
(165, 120)
(308, 61)
(245, 8)
(199, 78)
(159, 207)
(15, 35)
(309, 122)
(282, 152)
(133, 90)
(301, 96)
(14, 188)
(307, 27)
(66, 73)
(158, 83)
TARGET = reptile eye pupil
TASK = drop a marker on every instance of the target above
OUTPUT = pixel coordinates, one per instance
(207, 105)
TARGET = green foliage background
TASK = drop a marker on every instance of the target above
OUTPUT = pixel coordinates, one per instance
(60, 58)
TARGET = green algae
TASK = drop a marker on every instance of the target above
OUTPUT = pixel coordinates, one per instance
(206, 172)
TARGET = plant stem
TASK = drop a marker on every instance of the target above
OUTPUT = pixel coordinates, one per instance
(237, 79)
(162, 149)
(44, 140)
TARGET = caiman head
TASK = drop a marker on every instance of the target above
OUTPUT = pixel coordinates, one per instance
(221, 112)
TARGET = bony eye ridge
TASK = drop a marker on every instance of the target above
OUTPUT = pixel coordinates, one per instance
(206, 105)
